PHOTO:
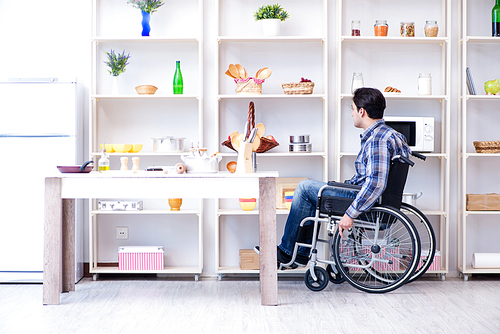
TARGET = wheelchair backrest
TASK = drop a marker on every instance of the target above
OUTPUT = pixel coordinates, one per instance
(393, 193)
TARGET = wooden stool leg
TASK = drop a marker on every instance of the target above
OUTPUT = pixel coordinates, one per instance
(68, 247)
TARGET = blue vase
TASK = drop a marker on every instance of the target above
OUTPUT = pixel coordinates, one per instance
(146, 28)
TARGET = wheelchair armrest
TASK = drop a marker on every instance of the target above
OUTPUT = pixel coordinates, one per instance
(348, 186)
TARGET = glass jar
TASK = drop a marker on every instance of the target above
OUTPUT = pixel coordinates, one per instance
(424, 84)
(355, 28)
(431, 29)
(407, 29)
(381, 27)
(357, 81)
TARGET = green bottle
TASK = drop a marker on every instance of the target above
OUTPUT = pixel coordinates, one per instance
(178, 83)
(495, 19)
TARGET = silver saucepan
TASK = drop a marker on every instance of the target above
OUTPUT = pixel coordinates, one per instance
(411, 198)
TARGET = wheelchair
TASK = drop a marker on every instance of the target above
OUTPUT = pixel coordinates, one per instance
(382, 250)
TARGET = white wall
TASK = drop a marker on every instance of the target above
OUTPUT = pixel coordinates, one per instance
(52, 39)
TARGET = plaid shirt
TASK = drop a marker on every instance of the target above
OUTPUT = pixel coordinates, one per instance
(379, 143)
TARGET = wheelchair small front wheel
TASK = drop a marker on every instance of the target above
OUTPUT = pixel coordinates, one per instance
(336, 278)
(320, 283)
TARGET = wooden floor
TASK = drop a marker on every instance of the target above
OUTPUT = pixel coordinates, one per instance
(159, 305)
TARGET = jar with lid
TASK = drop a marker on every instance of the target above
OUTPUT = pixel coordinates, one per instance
(381, 27)
(355, 28)
(424, 84)
(407, 29)
(431, 29)
(357, 81)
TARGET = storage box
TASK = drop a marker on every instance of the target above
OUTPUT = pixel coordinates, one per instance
(483, 202)
(385, 254)
(435, 264)
(119, 205)
(141, 257)
(249, 260)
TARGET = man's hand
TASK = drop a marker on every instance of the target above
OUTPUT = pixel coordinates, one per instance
(345, 223)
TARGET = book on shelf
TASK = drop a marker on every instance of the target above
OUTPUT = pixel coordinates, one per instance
(470, 83)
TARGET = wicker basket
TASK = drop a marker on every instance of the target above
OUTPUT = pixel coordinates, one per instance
(248, 86)
(298, 88)
(487, 146)
(146, 89)
(265, 144)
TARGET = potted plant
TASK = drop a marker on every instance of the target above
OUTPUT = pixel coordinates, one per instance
(271, 16)
(147, 8)
(116, 63)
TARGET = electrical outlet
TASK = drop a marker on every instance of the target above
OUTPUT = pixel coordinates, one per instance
(121, 232)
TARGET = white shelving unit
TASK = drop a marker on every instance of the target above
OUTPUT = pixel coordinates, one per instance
(149, 55)
(241, 41)
(478, 171)
(399, 61)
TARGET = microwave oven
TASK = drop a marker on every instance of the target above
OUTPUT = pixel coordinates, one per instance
(418, 131)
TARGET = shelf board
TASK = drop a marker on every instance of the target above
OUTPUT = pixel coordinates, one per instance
(279, 154)
(154, 154)
(241, 212)
(246, 39)
(482, 39)
(471, 270)
(147, 212)
(482, 155)
(145, 97)
(393, 39)
(166, 270)
(482, 212)
(428, 155)
(99, 39)
(482, 97)
(270, 96)
(406, 97)
(237, 270)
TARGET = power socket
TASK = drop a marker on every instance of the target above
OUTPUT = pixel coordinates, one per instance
(121, 232)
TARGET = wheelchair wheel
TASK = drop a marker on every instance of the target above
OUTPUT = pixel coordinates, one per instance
(381, 253)
(322, 281)
(427, 238)
(336, 278)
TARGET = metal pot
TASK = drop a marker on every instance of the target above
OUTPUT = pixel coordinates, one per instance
(299, 139)
(168, 144)
(300, 148)
(411, 198)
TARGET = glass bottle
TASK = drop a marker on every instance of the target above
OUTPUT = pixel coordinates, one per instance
(431, 29)
(381, 27)
(355, 28)
(495, 19)
(104, 161)
(178, 83)
(424, 84)
(357, 81)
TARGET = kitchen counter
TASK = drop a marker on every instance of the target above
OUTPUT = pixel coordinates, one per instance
(61, 191)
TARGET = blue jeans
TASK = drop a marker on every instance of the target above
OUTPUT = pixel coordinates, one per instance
(303, 206)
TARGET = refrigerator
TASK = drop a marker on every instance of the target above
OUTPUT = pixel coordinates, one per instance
(40, 128)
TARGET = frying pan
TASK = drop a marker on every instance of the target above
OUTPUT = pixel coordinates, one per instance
(85, 168)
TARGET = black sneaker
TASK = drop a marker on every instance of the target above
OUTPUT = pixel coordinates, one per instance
(283, 258)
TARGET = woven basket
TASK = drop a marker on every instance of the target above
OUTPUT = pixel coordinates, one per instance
(487, 146)
(248, 87)
(146, 89)
(298, 88)
(265, 144)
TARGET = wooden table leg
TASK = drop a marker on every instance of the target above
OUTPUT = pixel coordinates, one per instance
(267, 241)
(68, 245)
(52, 250)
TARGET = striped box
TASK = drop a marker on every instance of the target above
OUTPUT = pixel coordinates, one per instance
(141, 257)
(435, 264)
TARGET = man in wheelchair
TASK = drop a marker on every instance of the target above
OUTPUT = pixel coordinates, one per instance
(379, 143)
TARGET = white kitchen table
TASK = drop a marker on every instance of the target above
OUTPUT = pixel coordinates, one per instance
(62, 190)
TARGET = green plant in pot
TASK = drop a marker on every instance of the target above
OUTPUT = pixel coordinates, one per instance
(271, 17)
(116, 64)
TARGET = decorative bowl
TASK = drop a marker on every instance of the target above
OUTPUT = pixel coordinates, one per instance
(109, 148)
(136, 148)
(248, 204)
(146, 89)
(122, 148)
(175, 204)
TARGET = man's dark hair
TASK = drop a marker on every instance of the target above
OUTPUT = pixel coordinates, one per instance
(370, 99)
